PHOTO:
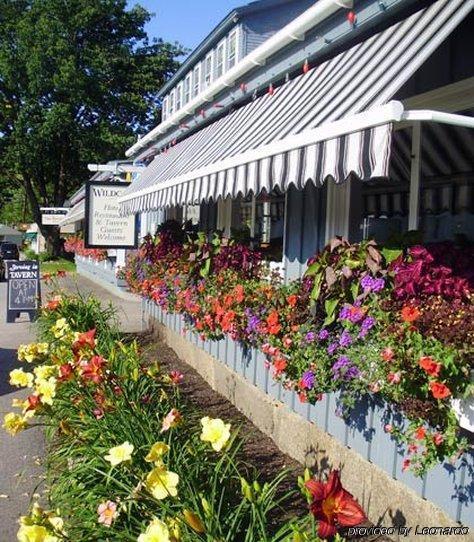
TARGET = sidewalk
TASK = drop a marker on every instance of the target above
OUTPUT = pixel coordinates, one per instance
(20, 473)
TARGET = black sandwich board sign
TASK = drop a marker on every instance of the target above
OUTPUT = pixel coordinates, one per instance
(23, 289)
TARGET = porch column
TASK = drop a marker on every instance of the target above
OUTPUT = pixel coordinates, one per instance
(415, 174)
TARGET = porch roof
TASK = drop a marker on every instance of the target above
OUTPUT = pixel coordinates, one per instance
(75, 214)
(310, 129)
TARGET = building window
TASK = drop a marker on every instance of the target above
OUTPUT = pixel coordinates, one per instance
(179, 96)
(187, 89)
(164, 110)
(171, 108)
(196, 80)
(208, 70)
(232, 50)
(220, 57)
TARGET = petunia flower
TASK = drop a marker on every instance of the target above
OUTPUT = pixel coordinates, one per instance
(333, 506)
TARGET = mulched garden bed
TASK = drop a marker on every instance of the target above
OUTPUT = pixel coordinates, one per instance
(259, 450)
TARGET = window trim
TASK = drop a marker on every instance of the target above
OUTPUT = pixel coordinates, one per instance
(172, 103)
(210, 56)
(164, 107)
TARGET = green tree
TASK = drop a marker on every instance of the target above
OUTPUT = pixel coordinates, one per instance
(78, 81)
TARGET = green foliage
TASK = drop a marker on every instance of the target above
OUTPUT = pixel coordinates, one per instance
(78, 80)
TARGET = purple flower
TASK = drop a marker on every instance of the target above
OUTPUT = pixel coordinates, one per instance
(332, 348)
(371, 284)
(368, 323)
(310, 336)
(345, 339)
(344, 369)
(323, 334)
(378, 285)
(352, 313)
(252, 323)
(307, 380)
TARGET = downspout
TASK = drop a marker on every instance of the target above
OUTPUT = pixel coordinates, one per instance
(294, 31)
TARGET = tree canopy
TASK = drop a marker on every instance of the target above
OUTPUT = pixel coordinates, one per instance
(78, 81)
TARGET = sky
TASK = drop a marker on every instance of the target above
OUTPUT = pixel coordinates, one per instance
(186, 21)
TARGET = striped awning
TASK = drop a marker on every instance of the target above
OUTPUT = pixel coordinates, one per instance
(75, 214)
(220, 160)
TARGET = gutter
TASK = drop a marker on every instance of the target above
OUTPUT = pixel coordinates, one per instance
(293, 31)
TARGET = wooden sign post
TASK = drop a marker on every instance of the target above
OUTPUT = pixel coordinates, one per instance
(23, 289)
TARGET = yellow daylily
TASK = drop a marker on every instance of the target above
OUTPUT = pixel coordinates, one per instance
(43, 372)
(35, 533)
(215, 431)
(14, 423)
(157, 531)
(46, 389)
(120, 454)
(60, 328)
(20, 379)
(157, 451)
(161, 483)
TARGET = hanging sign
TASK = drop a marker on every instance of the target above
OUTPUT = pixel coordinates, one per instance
(105, 228)
(23, 289)
(52, 216)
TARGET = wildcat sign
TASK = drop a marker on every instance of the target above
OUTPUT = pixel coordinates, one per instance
(105, 228)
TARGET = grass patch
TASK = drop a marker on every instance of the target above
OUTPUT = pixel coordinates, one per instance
(58, 265)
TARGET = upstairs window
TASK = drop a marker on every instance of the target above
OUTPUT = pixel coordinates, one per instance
(232, 50)
(164, 110)
(220, 58)
(179, 96)
(208, 70)
(196, 80)
(171, 108)
(187, 89)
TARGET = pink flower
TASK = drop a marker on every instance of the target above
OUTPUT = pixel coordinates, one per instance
(406, 464)
(171, 420)
(412, 448)
(176, 377)
(438, 439)
(394, 378)
(98, 413)
(387, 354)
(388, 428)
(107, 513)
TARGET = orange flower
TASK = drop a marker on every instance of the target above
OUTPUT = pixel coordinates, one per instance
(273, 326)
(420, 433)
(410, 313)
(84, 340)
(387, 354)
(279, 365)
(439, 390)
(428, 364)
(292, 300)
(333, 506)
(239, 293)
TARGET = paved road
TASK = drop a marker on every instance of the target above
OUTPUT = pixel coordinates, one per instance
(20, 472)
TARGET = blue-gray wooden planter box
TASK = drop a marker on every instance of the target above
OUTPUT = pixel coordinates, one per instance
(451, 487)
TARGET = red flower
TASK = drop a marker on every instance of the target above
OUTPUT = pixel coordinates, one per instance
(176, 377)
(387, 354)
(273, 326)
(53, 304)
(84, 340)
(410, 314)
(302, 397)
(65, 372)
(420, 433)
(406, 464)
(394, 378)
(92, 370)
(292, 300)
(333, 506)
(438, 439)
(33, 402)
(428, 364)
(279, 365)
(439, 390)
(239, 293)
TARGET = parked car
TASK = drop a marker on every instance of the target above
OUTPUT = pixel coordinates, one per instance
(9, 251)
